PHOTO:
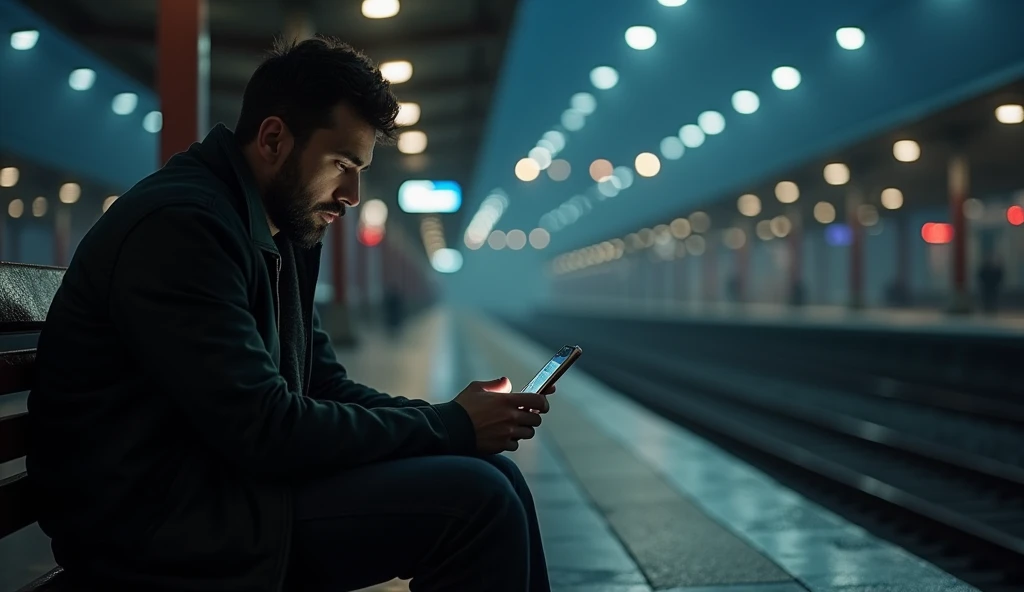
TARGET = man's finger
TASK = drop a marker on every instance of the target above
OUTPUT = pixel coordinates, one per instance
(522, 433)
(550, 390)
(498, 385)
(530, 401)
(527, 418)
(511, 445)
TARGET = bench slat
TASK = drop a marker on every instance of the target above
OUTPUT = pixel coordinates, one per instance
(13, 437)
(17, 507)
(16, 371)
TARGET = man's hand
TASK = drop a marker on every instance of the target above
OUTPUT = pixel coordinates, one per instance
(498, 415)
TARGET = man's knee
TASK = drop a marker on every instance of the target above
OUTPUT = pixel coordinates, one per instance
(489, 482)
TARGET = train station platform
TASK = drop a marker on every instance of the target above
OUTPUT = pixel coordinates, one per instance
(629, 501)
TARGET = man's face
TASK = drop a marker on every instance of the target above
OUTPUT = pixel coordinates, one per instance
(314, 183)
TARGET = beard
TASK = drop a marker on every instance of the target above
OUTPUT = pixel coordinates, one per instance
(293, 208)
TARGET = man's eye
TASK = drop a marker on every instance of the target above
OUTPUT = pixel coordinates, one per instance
(341, 166)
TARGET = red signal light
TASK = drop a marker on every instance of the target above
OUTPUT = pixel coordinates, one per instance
(937, 233)
(1015, 215)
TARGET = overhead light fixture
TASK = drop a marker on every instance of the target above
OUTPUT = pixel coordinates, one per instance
(559, 170)
(824, 212)
(82, 79)
(584, 102)
(672, 148)
(542, 156)
(647, 164)
(124, 103)
(374, 213)
(539, 238)
(850, 38)
(9, 176)
(749, 205)
(414, 142)
(24, 39)
(16, 208)
(1010, 114)
(408, 114)
(527, 169)
(430, 197)
(745, 102)
(39, 207)
(153, 122)
(573, 120)
(691, 135)
(787, 192)
(786, 77)
(892, 198)
(396, 72)
(600, 170)
(69, 193)
(711, 123)
(641, 38)
(446, 260)
(604, 77)
(671, 3)
(837, 173)
(906, 151)
(380, 9)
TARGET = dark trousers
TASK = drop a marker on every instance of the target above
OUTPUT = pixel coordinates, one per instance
(446, 522)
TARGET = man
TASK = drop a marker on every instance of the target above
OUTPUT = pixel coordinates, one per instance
(191, 428)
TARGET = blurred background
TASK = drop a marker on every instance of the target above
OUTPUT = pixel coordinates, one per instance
(863, 154)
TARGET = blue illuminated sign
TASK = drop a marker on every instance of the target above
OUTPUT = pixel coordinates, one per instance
(430, 197)
(838, 234)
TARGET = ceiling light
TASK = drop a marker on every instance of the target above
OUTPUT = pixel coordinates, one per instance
(892, 198)
(25, 39)
(396, 72)
(600, 169)
(604, 77)
(412, 142)
(69, 193)
(446, 260)
(9, 176)
(516, 239)
(408, 114)
(39, 207)
(81, 79)
(539, 238)
(624, 175)
(153, 122)
(527, 169)
(380, 9)
(573, 120)
(1010, 114)
(906, 150)
(787, 192)
(734, 238)
(584, 102)
(672, 3)
(850, 38)
(691, 135)
(781, 226)
(749, 205)
(559, 170)
(497, 240)
(786, 77)
(641, 38)
(556, 139)
(647, 164)
(680, 228)
(824, 212)
(700, 222)
(837, 173)
(16, 208)
(124, 103)
(711, 123)
(672, 148)
(745, 102)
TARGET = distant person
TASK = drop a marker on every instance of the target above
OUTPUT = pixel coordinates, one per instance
(990, 279)
(191, 428)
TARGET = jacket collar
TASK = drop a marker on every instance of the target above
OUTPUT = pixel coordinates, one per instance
(220, 149)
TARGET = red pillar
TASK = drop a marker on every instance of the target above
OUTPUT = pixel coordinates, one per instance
(338, 263)
(183, 73)
(853, 201)
(958, 188)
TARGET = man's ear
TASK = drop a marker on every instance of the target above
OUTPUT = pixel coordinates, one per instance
(274, 141)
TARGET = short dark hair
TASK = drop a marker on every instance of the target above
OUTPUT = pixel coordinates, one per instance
(301, 82)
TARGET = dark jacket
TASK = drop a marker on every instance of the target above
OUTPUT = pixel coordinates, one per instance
(165, 441)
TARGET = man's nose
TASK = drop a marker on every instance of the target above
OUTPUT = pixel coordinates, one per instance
(348, 192)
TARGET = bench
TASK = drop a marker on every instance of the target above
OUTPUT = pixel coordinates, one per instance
(26, 292)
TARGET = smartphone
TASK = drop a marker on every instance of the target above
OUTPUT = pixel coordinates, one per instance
(554, 369)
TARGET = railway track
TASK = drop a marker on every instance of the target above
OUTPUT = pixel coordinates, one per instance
(948, 502)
